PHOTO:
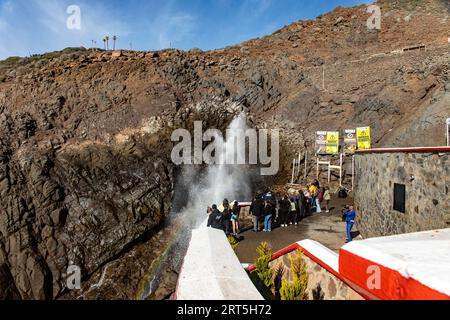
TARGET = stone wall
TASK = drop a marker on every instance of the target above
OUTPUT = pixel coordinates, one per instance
(322, 284)
(426, 176)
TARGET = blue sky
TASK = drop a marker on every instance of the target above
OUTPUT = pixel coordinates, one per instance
(37, 26)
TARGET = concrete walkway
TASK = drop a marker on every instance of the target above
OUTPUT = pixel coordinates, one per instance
(325, 228)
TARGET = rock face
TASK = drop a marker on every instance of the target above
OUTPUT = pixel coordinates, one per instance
(426, 177)
(85, 135)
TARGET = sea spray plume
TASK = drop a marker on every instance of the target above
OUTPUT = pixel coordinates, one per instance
(197, 187)
(215, 182)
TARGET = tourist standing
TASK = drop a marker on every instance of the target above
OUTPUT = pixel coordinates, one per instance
(236, 211)
(257, 210)
(293, 211)
(302, 204)
(268, 215)
(313, 191)
(285, 206)
(327, 198)
(215, 220)
(350, 216)
(226, 216)
(319, 199)
(308, 201)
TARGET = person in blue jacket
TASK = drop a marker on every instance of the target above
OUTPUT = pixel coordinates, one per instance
(350, 215)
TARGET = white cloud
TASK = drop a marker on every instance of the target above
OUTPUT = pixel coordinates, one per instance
(174, 28)
(255, 7)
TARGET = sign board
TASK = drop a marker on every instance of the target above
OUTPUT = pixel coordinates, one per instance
(363, 138)
(332, 145)
(448, 132)
(321, 142)
(349, 141)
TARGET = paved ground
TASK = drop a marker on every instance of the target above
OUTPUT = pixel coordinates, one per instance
(326, 228)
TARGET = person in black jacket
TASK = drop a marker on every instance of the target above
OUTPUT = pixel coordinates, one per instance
(268, 216)
(226, 216)
(257, 211)
(285, 206)
(302, 204)
(215, 220)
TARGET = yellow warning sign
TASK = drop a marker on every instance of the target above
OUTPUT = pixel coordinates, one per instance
(363, 136)
(332, 146)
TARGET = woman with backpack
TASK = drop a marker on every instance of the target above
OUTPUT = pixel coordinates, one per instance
(293, 211)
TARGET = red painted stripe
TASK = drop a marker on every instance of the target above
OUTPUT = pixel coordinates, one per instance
(393, 286)
(405, 150)
(277, 255)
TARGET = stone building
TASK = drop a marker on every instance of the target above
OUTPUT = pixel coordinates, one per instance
(402, 190)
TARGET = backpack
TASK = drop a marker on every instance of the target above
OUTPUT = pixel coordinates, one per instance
(293, 206)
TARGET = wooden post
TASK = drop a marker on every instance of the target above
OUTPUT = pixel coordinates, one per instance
(329, 173)
(306, 164)
(293, 172)
(353, 172)
(340, 169)
(317, 170)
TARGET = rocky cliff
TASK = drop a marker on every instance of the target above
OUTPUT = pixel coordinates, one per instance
(85, 170)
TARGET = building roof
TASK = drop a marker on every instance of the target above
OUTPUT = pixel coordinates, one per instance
(411, 266)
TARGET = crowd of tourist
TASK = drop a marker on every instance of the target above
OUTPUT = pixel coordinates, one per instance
(266, 210)
(290, 208)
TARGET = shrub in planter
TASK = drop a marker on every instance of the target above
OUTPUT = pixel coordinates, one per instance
(263, 270)
(296, 290)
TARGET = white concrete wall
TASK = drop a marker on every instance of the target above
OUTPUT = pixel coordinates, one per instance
(212, 271)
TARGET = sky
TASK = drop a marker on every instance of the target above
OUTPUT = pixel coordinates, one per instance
(38, 26)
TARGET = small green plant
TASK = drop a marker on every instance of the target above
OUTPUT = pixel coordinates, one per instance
(233, 242)
(263, 270)
(296, 290)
